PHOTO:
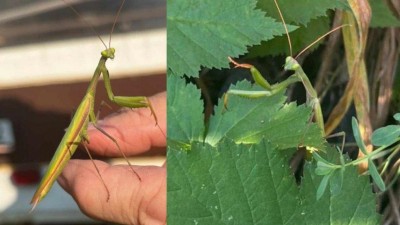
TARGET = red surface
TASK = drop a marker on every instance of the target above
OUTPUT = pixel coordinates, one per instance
(22, 177)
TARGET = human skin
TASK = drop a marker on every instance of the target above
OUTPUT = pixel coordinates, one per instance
(131, 201)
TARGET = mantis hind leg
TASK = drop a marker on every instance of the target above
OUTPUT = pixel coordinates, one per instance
(85, 140)
(102, 104)
(119, 149)
(341, 134)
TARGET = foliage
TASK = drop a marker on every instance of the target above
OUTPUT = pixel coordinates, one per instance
(312, 21)
(232, 26)
(235, 168)
(205, 33)
(382, 16)
(249, 120)
(387, 135)
(231, 183)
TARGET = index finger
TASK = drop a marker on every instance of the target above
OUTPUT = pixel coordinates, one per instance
(135, 130)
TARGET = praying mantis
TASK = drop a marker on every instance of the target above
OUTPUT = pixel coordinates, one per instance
(290, 65)
(325, 168)
(76, 132)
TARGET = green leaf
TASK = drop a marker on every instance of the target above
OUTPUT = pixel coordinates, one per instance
(311, 17)
(337, 181)
(184, 127)
(381, 15)
(357, 136)
(385, 135)
(322, 186)
(231, 184)
(354, 204)
(397, 117)
(300, 39)
(335, 175)
(253, 184)
(318, 158)
(330, 171)
(323, 168)
(300, 11)
(375, 175)
(205, 33)
(250, 120)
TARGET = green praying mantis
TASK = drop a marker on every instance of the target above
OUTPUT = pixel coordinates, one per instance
(325, 168)
(76, 132)
(290, 65)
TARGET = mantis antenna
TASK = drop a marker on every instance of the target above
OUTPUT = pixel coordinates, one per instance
(309, 46)
(284, 25)
(115, 21)
(318, 39)
(85, 21)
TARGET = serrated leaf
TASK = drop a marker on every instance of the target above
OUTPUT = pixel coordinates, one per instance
(381, 15)
(300, 11)
(300, 39)
(250, 120)
(253, 184)
(232, 184)
(385, 135)
(312, 18)
(185, 117)
(205, 33)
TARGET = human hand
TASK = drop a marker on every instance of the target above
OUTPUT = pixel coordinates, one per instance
(131, 201)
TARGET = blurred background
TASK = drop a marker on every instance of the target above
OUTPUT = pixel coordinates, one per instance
(47, 57)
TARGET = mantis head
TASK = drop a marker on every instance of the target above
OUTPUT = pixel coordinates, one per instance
(291, 64)
(108, 53)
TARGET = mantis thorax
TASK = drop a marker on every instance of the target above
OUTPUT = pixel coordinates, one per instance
(108, 53)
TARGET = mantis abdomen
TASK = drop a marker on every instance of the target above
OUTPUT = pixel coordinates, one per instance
(65, 149)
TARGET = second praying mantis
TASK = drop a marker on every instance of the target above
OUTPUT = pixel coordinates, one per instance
(76, 132)
(290, 65)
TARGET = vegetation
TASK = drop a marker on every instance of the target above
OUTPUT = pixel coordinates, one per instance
(242, 162)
